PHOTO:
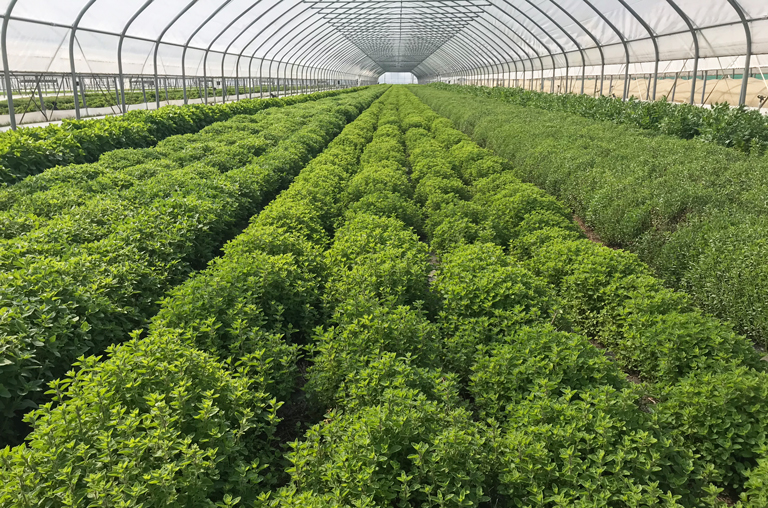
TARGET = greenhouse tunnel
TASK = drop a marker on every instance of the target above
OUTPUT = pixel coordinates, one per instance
(642, 48)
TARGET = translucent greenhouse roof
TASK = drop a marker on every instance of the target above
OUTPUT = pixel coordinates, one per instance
(366, 38)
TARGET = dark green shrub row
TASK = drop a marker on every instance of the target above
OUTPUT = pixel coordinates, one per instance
(703, 393)
(562, 412)
(58, 309)
(161, 423)
(399, 434)
(62, 223)
(28, 151)
(694, 212)
(740, 128)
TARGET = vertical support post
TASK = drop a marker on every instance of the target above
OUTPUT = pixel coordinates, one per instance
(144, 93)
(165, 84)
(674, 88)
(72, 35)
(117, 93)
(6, 66)
(82, 92)
(42, 102)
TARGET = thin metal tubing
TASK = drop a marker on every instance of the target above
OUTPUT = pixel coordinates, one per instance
(696, 50)
(224, 55)
(655, 48)
(594, 39)
(186, 45)
(623, 42)
(72, 35)
(6, 66)
(551, 56)
(567, 34)
(748, 33)
(141, 9)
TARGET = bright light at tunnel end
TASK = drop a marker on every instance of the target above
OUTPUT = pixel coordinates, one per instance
(398, 78)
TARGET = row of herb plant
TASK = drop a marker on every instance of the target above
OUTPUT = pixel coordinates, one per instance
(193, 408)
(696, 213)
(79, 298)
(28, 151)
(740, 128)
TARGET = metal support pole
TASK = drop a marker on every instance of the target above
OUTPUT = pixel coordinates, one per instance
(42, 102)
(72, 69)
(747, 64)
(6, 66)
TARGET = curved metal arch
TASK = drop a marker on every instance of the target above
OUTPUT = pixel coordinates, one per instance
(261, 64)
(305, 40)
(551, 56)
(72, 36)
(286, 58)
(470, 64)
(562, 49)
(495, 41)
(592, 36)
(538, 56)
(187, 43)
(304, 58)
(136, 14)
(571, 37)
(162, 33)
(653, 37)
(325, 59)
(748, 33)
(272, 59)
(480, 64)
(224, 54)
(696, 49)
(503, 37)
(466, 66)
(623, 42)
(279, 40)
(315, 52)
(310, 56)
(301, 42)
(6, 65)
(507, 40)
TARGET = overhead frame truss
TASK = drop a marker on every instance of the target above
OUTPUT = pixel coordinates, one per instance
(481, 41)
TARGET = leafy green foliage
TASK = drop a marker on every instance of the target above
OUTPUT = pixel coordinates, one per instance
(67, 300)
(722, 416)
(739, 128)
(693, 211)
(28, 151)
(158, 423)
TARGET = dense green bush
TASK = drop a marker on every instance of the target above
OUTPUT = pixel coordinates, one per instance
(693, 211)
(538, 362)
(161, 423)
(484, 296)
(31, 150)
(158, 424)
(722, 416)
(379, 257)
(591, 448)
(740, 128)
(59, 309)
(406, 450)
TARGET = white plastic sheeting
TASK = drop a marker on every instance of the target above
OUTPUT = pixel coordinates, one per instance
(362, 39)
